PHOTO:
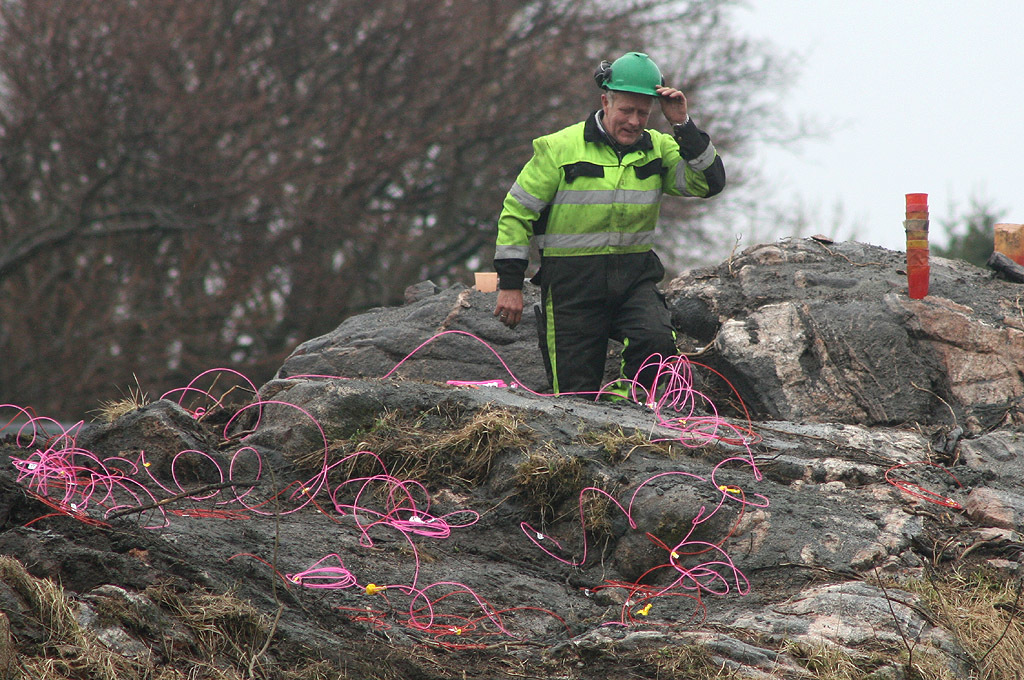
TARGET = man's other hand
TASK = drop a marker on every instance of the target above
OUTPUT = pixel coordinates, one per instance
(509, 309)
(673, 105)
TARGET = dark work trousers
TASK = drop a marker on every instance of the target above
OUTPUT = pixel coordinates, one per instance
(587, 299)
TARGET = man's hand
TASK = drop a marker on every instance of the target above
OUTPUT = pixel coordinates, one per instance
(673, 104)
(509, 309)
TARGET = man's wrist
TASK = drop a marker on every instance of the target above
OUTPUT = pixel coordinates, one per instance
(678, 126)
(510, 282)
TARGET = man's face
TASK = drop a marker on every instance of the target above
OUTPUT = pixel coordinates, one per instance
(625, 115)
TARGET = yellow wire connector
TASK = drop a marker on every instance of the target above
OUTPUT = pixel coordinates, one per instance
(373, 589)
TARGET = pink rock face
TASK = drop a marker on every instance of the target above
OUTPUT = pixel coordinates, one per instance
(980, 359)
(827, 333)
(992, 508)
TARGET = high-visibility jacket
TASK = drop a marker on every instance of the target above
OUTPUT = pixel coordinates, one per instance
(579, 195)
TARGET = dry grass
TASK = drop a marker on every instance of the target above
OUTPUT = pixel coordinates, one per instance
(985, 611)
(691, 662)
(829, 662)
(619, 446)
(546, 479)
(213, 637)
(225, 628)
(471, 448)
(820, 661)
(69, 651)
(440, 446)
(597, 514)
(111, 410)
(8, 655)
(226, 631)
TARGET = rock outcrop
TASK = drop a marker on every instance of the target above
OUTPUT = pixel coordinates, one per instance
(805, 331)
(826, 332)
(853, 444)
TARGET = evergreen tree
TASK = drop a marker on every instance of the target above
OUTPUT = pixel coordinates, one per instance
(969, 236)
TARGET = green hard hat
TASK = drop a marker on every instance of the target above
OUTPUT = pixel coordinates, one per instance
(633, 72)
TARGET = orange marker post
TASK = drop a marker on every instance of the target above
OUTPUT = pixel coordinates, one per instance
(916, 225)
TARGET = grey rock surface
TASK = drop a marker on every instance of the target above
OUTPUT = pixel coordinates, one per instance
(869, 437)
(826, 332)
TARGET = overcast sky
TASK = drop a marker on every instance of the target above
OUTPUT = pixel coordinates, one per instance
(920, 96)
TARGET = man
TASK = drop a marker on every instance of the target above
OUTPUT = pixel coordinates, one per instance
(590, 198)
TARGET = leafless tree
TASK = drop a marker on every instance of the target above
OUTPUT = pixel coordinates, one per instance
(186, 184)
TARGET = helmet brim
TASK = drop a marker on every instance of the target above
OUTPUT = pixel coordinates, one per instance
(650, 92)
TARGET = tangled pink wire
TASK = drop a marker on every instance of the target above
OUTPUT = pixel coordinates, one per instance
(81, 481)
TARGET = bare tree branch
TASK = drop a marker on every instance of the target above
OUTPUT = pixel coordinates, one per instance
(188, 184)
